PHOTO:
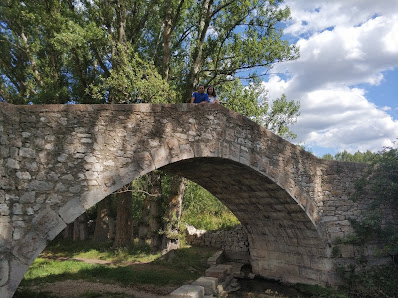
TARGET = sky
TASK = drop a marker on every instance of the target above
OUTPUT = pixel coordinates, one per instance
(346, 78)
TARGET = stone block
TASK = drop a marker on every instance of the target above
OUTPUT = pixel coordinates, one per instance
(216, 258)
(71, 210)
(173, 146)
(4, 209)
(309, 274)
(218, 271)
(160, 156)
(40, 185)
(27, 152)
(4, 270)
(188, 291)
(206, 149)
(48, 223)
(208, 283)
(17, 271)
(144, 161)
(28, 197)
(12, 163)
(186, 152)
(30, 247)
(90, 198)
(4, 292)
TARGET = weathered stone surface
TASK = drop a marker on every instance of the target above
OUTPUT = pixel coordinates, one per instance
(188, 291)
(71, 210)
(17, 271)
(59, 160)
(4, 270)
(48, 223)
(208, 283)
(218, 271)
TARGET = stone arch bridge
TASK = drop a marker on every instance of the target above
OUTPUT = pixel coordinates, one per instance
(59, 160)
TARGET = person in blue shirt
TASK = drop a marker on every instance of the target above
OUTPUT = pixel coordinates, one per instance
(200, 96)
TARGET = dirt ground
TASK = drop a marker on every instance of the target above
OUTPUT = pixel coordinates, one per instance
(77, 288)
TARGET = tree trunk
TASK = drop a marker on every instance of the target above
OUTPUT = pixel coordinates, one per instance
(155, 191)
(102, 222)
(143, 226)
(205, 18)
(167, 40)
(112, 224)
(170, 239)
(123, 219)
(80, 228)
(68, 231)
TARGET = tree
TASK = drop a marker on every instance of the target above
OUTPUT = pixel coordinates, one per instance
(30, 68)
(219, 40)
(155, 202)
(124, 227)
(365, 157)
(252, 102)
(104, 221)
(173, 214)
(80, 228)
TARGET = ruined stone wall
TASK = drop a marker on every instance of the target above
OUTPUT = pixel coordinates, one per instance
(232, 240)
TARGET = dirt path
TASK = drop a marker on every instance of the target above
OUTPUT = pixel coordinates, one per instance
(76, 288)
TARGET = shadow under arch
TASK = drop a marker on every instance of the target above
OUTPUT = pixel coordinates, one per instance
(284, 242)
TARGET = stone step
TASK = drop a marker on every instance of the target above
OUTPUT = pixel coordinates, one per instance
(188, 291)
(208, 283)
(218, 271)
(215, 259)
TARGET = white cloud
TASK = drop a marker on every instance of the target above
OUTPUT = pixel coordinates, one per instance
(342, 44)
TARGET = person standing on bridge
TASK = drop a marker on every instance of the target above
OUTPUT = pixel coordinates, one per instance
(211, 92)
(199, 96)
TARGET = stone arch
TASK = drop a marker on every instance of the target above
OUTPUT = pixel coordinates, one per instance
(60, 160)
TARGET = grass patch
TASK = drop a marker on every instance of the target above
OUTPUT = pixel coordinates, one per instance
(318, 291)
(186, 264)
(24, 293)
(99, 251)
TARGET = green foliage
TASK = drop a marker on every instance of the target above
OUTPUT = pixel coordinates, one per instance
(257, 43)
(376, 282)
(328, 156)
(30, 67)
(245, 101)
(252, 102)
(282, 114)
(136, 82)
(318, 291)
(364, 157)
(106, 51)
(60, 248)
(204, 211)
(380, 185)
(335, 251)
(23, 293)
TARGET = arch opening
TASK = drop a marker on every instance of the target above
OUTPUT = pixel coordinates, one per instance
(284, 243)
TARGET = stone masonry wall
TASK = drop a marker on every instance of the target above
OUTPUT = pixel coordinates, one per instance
(233, 242)
(56, 161)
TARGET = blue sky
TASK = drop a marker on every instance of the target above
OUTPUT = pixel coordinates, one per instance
(346, 78)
